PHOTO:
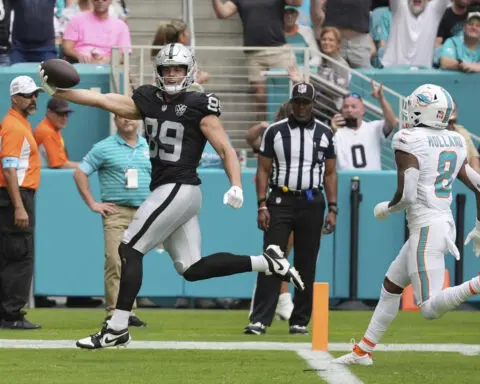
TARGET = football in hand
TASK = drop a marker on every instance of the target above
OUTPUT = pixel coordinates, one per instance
(61, 73)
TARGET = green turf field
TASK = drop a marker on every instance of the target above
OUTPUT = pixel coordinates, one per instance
(197, 365)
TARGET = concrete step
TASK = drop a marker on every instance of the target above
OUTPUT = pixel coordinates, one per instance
(165, 9)
(147, 24)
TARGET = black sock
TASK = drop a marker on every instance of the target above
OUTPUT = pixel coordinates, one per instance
(131, 277)
(218, 264)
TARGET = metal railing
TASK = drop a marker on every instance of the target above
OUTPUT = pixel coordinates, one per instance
(228, 78)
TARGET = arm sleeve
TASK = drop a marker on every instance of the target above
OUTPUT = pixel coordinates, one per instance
(72, 31)
(210, 104)
(449, 49)
(11, 147)
(404, 141)
(266, 147)
(92, 162)
(330, 153)
(124, 39)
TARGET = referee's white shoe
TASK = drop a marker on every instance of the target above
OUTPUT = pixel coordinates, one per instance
(280, 267)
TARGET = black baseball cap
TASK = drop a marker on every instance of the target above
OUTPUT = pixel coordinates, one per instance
(58, 106)
(303, 91)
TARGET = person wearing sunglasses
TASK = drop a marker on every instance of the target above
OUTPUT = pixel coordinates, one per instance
(90, 36)
(358, 143)
(19, 180)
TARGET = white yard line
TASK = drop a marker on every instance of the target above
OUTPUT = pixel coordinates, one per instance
(466, 349)
(331, 373)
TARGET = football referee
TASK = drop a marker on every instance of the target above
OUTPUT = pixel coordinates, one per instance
(296, 159)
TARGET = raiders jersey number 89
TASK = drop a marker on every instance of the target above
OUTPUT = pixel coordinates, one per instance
(172, 130)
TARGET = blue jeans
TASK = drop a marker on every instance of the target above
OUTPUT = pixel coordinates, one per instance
(19, 54)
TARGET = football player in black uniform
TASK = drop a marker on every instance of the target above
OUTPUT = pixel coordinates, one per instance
(178, 124)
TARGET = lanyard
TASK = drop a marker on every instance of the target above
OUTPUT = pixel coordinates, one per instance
(131, 157)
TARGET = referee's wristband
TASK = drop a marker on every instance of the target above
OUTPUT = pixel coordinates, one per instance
(332, 207)
(261, 201)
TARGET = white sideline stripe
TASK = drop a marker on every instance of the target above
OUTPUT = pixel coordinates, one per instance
(466, 349)
(331, 373)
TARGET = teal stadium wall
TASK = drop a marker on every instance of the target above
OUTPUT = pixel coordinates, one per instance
(69, 237)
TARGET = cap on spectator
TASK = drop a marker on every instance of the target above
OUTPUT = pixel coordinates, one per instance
(58, 106)
(23, 84)
(471, 15)
(291, 7)
(303, 91)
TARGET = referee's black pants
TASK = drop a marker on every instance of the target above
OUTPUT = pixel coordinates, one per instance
(305, 217)
(16, 256)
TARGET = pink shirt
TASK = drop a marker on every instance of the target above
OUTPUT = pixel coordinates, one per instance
(88, 32)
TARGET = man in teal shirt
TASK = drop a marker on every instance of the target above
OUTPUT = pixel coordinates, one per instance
(123, 165)
(463, 52)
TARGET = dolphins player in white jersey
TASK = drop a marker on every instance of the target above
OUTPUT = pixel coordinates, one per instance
(429, 158)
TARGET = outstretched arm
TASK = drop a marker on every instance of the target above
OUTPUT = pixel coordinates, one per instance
(118, 104)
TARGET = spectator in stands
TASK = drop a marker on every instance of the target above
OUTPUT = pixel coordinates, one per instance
(452, 21)
(352, 18)
(472, 153)
(299, 36)
(5, 45)
(463, 52)
(74, 7)
(19, 180)
(90, 36)
(413, 31)
(334, 70)
(33, 34)
(175, 31)
(262, 27)
(381, 21)
(358, 143)
(123, 165)
(49, 137)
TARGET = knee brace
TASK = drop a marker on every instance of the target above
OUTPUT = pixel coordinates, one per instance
(427, 311)
(193, 272)
(127, 252)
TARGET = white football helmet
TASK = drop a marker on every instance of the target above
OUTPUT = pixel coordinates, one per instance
(175, 55)
(428, 106)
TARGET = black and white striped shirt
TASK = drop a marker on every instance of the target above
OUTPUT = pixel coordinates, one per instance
(298, 153)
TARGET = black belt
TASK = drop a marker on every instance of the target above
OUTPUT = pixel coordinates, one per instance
(123, 205)
(303, 192)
